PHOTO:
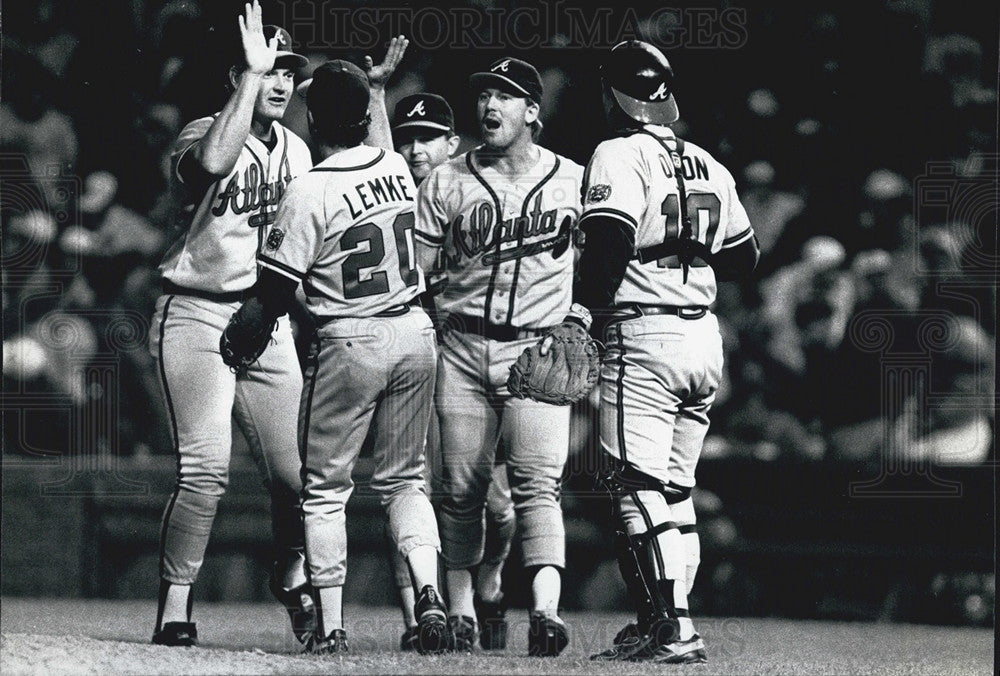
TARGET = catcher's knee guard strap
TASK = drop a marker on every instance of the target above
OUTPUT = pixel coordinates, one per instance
(675, 493)
(643, 539)
(620, 478)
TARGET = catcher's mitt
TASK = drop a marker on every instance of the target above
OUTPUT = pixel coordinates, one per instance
(560, 369)
(247, 335)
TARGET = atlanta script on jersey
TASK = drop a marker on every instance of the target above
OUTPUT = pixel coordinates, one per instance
(632, 179)
(507, 243)
(218, 241)
(345, 230)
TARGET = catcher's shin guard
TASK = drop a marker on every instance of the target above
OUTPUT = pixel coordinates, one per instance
(635, 560)
(635, 581)
(652, 597)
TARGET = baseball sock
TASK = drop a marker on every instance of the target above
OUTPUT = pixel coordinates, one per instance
(681, 604)
(331, 609)
(423, 561)
(404, 580)
(545, 589)
(407, 599)
(488, 583)
(685, 518)
(460, 592)
(499, 534)
(176, 604)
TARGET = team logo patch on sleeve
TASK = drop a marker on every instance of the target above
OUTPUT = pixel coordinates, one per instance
(274, 239)
(598, 193)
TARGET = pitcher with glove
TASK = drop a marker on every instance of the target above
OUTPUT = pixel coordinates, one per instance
(562, 368)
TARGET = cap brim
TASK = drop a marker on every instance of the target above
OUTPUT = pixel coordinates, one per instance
(648, 112)
(303, 87)
(299, 60)
(427, 125)
(484, 80)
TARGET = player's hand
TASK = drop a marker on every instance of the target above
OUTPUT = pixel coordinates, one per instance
(379, 75)
(545, 345)
(260, 53)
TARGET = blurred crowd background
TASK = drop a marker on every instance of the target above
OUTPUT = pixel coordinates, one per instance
(862, 138)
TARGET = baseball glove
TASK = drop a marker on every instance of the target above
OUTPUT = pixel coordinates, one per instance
(560, 369)
(247, 335)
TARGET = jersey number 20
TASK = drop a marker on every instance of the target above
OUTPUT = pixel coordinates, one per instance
(703, 209)
(377, 282)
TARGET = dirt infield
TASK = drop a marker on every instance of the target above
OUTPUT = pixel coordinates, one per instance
(56, 636)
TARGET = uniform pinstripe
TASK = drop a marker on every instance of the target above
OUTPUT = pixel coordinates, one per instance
(661, 371)
(508, 255)
(207, 267)
(345, 230)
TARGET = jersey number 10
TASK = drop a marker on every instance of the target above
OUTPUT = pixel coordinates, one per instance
(703, 209)
(377, 282)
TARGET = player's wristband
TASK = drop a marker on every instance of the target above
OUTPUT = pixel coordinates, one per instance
(578, 314)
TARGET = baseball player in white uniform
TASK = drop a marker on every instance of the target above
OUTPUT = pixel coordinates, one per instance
(504, 215)
(345, 230)
(663, 222)
(228, 172)
(423, 130)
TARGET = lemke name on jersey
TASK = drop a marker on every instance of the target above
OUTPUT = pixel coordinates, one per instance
(371, 194)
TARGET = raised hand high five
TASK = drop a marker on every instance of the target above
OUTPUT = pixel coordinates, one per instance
(259, 53)
(379, 75)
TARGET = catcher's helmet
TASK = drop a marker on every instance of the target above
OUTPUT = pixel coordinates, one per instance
(640, 78)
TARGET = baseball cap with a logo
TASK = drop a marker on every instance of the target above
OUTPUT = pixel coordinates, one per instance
(285, 57)
(512, 75)
(423, 111)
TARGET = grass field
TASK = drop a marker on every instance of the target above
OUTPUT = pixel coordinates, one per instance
(73, 636)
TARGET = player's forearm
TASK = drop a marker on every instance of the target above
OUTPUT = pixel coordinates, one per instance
(736, 262)
(276, 293)
(219, 149)
(379, 131)
(602, 265)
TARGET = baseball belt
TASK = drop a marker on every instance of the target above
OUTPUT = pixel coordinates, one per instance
(171, 289)
(636, 310)
(394, 311)
(480, 327)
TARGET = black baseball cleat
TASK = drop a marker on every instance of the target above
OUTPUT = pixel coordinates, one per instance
(691, 651)
(492, 622)
(462, 632)
(177, 634)
(301, 609)
(547, 635)
(333, 644)
(408, 641)
(432, 622)
(626, 641)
